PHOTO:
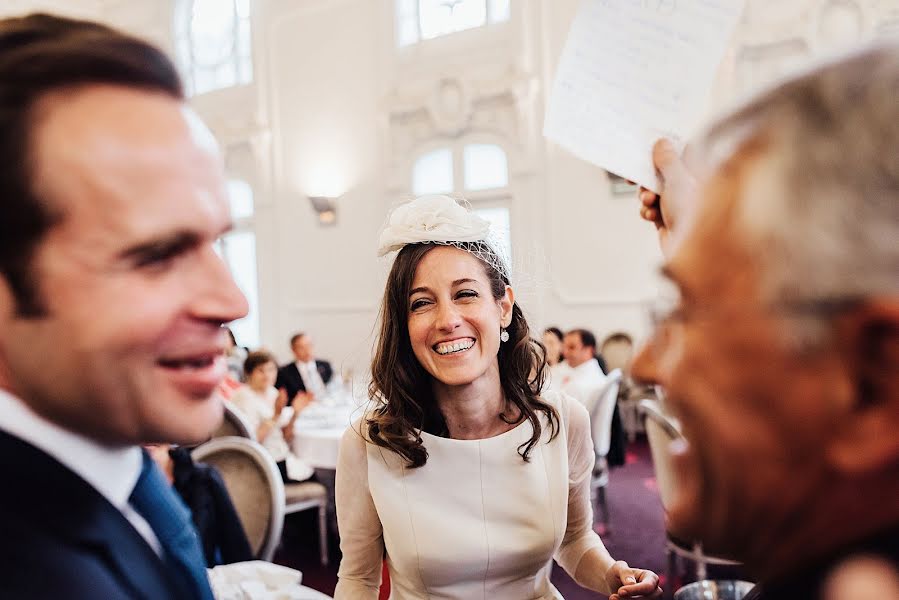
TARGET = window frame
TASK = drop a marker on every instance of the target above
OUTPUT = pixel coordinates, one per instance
(242, 63)
(490, 198)
(415, 14)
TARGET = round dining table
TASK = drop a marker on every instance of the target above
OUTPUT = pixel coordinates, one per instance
(317, 433)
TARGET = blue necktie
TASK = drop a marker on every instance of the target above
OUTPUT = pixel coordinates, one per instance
(158, 503)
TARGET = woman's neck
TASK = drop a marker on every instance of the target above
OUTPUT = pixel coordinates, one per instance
(258, 388)
(471, 411)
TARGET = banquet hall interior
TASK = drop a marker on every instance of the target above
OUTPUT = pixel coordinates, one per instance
(331, 112)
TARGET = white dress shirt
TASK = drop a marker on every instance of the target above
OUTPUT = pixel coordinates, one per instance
(582, 381)
(111, 471)
(312, 379)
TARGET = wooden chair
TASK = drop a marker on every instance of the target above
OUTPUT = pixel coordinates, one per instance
(602, 408)
(234, 424)
(255, 487)
(306, 495)
(661, 430)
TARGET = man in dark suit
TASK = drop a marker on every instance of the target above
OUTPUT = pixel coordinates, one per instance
(112, 300)
(306, 373)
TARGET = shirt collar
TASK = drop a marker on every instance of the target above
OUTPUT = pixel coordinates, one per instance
(112, 471)
(587, 367)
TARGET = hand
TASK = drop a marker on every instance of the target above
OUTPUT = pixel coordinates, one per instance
(281, 401)
(301, 401)
(625, 582)
(677, 195)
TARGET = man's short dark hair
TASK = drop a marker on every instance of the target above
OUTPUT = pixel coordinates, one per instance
(587, 337)
(295, 337)
(41, 54)
(256, 359)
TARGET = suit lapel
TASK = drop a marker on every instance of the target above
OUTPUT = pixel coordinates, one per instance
(298, 377)
(72, 511)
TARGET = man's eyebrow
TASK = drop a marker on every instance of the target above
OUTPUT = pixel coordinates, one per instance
(163, 246)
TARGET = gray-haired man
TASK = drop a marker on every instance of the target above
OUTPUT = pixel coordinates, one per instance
(782, 353)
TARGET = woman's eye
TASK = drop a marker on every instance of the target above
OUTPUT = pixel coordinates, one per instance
(416, 304)
(467, 294)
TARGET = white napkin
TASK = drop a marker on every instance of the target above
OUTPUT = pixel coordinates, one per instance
(256, 580)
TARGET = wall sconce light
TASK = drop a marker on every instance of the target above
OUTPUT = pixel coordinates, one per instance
(326, 209)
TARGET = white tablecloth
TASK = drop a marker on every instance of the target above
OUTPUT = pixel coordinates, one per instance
(318, 447)
(318, 430)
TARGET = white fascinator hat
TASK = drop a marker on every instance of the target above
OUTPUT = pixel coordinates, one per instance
(438, 219)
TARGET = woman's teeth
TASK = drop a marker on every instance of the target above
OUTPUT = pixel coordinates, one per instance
(453, 347)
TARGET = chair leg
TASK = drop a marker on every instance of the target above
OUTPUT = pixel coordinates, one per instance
(701, 566)
(671, 573)
(323, 533)
(604, 505)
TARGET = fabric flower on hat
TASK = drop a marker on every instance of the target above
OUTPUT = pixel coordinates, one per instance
(431, 219)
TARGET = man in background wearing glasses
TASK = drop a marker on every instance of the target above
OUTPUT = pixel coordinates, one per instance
(780, 354)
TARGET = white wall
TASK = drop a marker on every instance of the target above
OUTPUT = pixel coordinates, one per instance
(335, 109)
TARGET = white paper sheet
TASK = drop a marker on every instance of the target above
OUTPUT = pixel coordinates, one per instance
(633, 71)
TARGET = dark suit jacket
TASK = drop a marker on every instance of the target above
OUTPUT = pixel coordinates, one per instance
(290, 379)
(203, 491)
(60, 538)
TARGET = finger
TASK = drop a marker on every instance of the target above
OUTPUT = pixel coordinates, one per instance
(638, 582)
(650, 214)
(666, 158)
(648, 198)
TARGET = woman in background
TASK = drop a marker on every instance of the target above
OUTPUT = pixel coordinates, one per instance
(268, 413)
(552, 341)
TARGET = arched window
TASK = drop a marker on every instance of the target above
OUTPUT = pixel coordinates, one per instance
(238, 248)
(213, 43)
(477, 172)
(419, 20)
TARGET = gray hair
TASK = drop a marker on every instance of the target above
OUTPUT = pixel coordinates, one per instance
(824, 208)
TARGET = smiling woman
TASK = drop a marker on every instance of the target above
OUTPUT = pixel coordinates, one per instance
(464, 473)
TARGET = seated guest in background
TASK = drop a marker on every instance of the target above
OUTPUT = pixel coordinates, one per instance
(306, 373)
(617, 350)
(269, 414)
(112, 299)
(584, 374)
(203, 491)
(552, 341)
(234, 355)
(780, 356)
(466, 474)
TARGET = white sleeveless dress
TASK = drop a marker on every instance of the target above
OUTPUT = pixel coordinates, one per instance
(475, 522)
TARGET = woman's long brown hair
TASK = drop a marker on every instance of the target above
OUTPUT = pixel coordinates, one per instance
(402, 387)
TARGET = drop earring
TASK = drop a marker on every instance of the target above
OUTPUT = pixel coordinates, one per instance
(503, 335)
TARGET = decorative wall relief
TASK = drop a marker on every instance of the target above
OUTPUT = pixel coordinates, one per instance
(451, 107)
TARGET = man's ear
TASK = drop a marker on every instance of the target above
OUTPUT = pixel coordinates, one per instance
(867, 438)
